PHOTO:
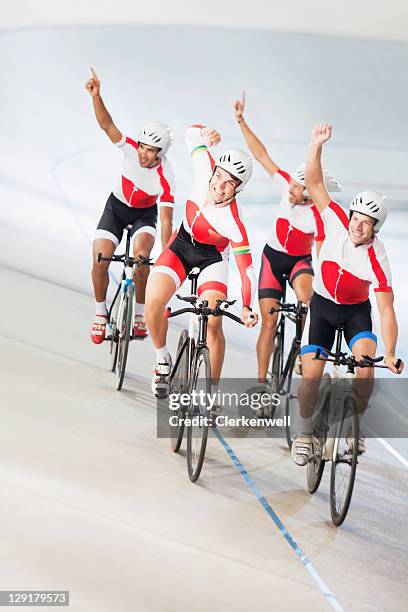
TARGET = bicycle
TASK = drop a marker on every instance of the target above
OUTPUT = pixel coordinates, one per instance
(281, 373)
(120, 314)
(191, 374)
(336, 429)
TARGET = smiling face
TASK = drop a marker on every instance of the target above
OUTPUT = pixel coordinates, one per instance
(222, 185)
(147, 155)
(361, 228)
(296, 193)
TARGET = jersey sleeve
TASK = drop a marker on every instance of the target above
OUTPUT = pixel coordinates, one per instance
(335, 219)
(127, 145)
(243, 257)
(281, 179)
(380, 267)
(167, 183)
(202, 160)
(318, 221)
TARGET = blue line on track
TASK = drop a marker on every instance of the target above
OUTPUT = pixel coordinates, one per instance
(281, 527)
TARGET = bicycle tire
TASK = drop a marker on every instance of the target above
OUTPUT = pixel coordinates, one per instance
(124, 338)
(113, 344)
(179, 385)
(348, 427)
(290, 400)
(197, 435)
(276, 363)
(315, 466)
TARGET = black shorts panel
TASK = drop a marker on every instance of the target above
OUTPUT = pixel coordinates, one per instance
(275, 266)
(193, 254)
(116, 216)
(325, 316)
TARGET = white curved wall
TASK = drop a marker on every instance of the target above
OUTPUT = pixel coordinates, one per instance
(57, 167)
(362, 19)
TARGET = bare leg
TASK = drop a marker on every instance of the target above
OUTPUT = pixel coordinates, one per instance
(302, 286)
(215, 338)
(100, 275)
(142, 246)
(308, 390)
(159, 289)
(264, 345)
(363, 383)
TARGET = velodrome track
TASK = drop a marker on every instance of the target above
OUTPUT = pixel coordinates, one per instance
(93, 502)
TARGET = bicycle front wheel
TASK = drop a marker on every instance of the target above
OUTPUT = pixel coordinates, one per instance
(344, 465)
(124, 338)
(179, 385)
(197, 431)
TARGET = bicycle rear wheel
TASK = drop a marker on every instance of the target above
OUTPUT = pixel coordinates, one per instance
(315, 466)
(276, 363)
(197, 433)
(124, 337)
(179, 385)
(291, 400)
(344, 465)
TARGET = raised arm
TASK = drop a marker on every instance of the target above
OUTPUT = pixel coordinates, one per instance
(389, 329)
(256, 147)
(198, 139)
(93, 85)
(314, 172)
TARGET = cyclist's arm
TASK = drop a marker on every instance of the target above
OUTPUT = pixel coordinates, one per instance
(105, 120)
(257, 148)
(166, 200)
(314, 178)
(388, 321)
(243, 257)
(314, 172)
(198, 149)
(166, 224)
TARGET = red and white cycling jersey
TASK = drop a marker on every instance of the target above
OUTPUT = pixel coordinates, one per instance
(216, 225)
(141, 187)
(345, 271)
(296, 226)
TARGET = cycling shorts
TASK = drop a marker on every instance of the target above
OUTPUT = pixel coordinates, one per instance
(325, 315)
(182, 254)
(274, 266)
(116, 216)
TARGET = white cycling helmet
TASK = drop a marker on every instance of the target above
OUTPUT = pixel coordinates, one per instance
(372, 204)
(238, 164)
(156, 134)
(329, 180)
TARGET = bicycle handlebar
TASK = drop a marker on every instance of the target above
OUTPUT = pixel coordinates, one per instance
(298, 308)
(203, 310)
(133, 261)
(350, 361)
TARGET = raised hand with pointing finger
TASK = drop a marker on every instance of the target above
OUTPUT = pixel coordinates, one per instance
(93, 85)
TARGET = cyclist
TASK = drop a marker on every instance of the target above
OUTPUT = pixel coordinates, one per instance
(146, 177)
(295, 228)
(351, 259)
(212, 221)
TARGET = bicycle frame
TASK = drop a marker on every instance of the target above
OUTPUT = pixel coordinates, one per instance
(285, 368)
(202, 326)
(126, 281)
(335, 394)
